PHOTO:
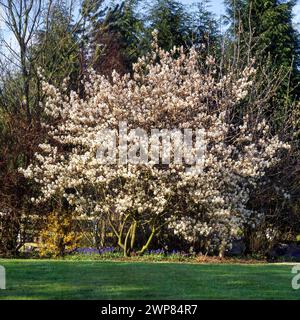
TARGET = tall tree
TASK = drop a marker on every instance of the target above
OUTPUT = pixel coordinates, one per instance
(42, 34)
(21, 20)
(206, 31)
(172, 21)
(264, 29)
(92, 13)
(56, 47)
(117, 38)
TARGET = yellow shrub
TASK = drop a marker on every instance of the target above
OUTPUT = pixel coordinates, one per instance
(58, 236)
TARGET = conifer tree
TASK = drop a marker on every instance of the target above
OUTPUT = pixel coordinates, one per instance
(172, 21)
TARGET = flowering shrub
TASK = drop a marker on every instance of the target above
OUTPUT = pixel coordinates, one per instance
(58, 236)
(168, 90)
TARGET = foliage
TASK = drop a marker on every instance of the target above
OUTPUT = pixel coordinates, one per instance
(172, 21)
(114, 38)
(44, 38)
(264, 29)
(59, 235)
(206, 29)
(56, 48)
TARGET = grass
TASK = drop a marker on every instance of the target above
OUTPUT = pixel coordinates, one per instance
(51, 279)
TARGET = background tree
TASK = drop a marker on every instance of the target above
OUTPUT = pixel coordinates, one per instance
(173, 22)
(264, 29)
(41, 37)
(22, 19)
(56, 47)
(206, 29)
(92, 13)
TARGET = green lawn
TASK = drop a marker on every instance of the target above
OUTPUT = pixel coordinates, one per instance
(44, 279)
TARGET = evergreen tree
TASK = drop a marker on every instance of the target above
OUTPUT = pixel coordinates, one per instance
(56, 49)
(264, 30)
(126, 25)
(93, 13)
(114, 38)
(272, 27)
(172, 21)
(206, 32)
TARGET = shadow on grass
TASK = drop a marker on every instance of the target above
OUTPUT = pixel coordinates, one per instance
(37, 279)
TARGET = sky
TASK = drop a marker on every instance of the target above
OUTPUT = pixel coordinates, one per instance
(216, 6)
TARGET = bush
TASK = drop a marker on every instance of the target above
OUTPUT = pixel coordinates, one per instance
(201, 199)
(58, 236)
